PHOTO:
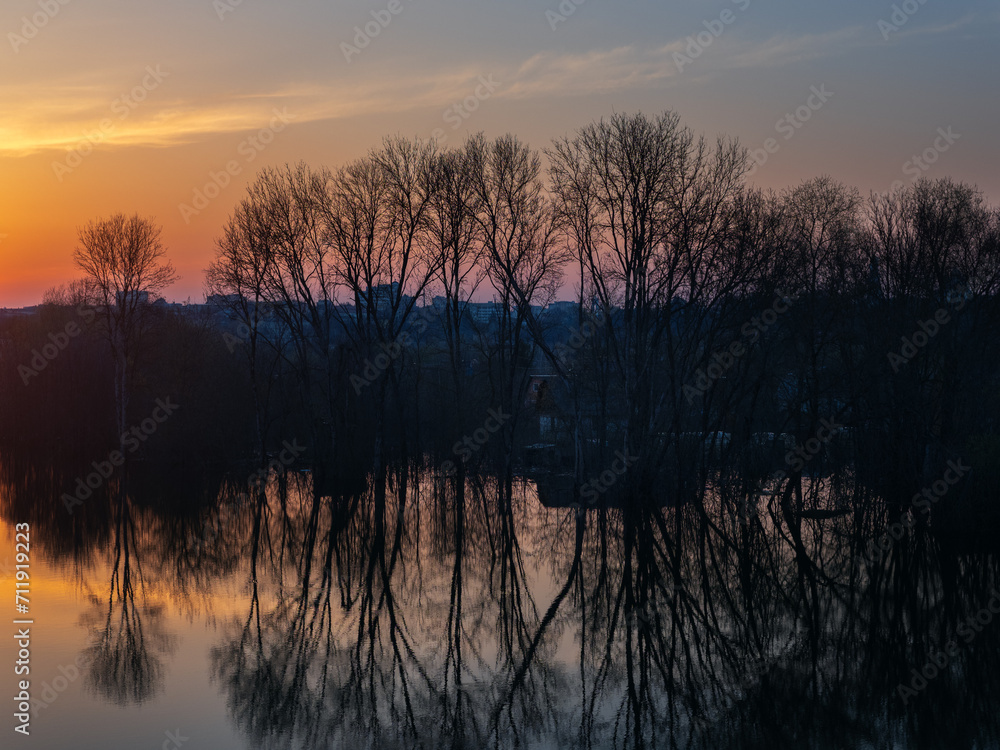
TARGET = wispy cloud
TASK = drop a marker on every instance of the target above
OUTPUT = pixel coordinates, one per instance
(943, 28)
(60, 116)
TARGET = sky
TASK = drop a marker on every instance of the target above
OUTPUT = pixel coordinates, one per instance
(170, 108)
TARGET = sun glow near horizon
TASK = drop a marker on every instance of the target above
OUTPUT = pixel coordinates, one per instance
(133, 108)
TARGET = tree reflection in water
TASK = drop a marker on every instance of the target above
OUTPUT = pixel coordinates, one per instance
(466, 615)
(125, 658)
(420, 611)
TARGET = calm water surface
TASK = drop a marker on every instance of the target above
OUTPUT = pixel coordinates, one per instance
(424, 617)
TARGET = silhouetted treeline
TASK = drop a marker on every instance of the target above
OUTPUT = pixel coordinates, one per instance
(773, 415)
(404, 305)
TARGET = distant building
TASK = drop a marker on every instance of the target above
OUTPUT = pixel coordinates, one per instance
(483, 312)
(141, 298)
(383, 297)
(222, 300)
(17, 312)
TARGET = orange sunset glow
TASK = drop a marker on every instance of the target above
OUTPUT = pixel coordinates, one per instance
(113, 106)
(546, 374)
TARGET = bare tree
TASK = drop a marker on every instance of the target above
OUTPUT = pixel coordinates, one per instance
(378, 225)
(645, 203)
(275, 259)
(123, 258)
(455, 236)
(239, 275)
(75, 293)
(824, 268)
(933, 250)
(522, 258)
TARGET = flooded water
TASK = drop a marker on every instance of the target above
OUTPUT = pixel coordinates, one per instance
(424, 616)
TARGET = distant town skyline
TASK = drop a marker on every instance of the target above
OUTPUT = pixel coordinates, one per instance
(170, 110)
